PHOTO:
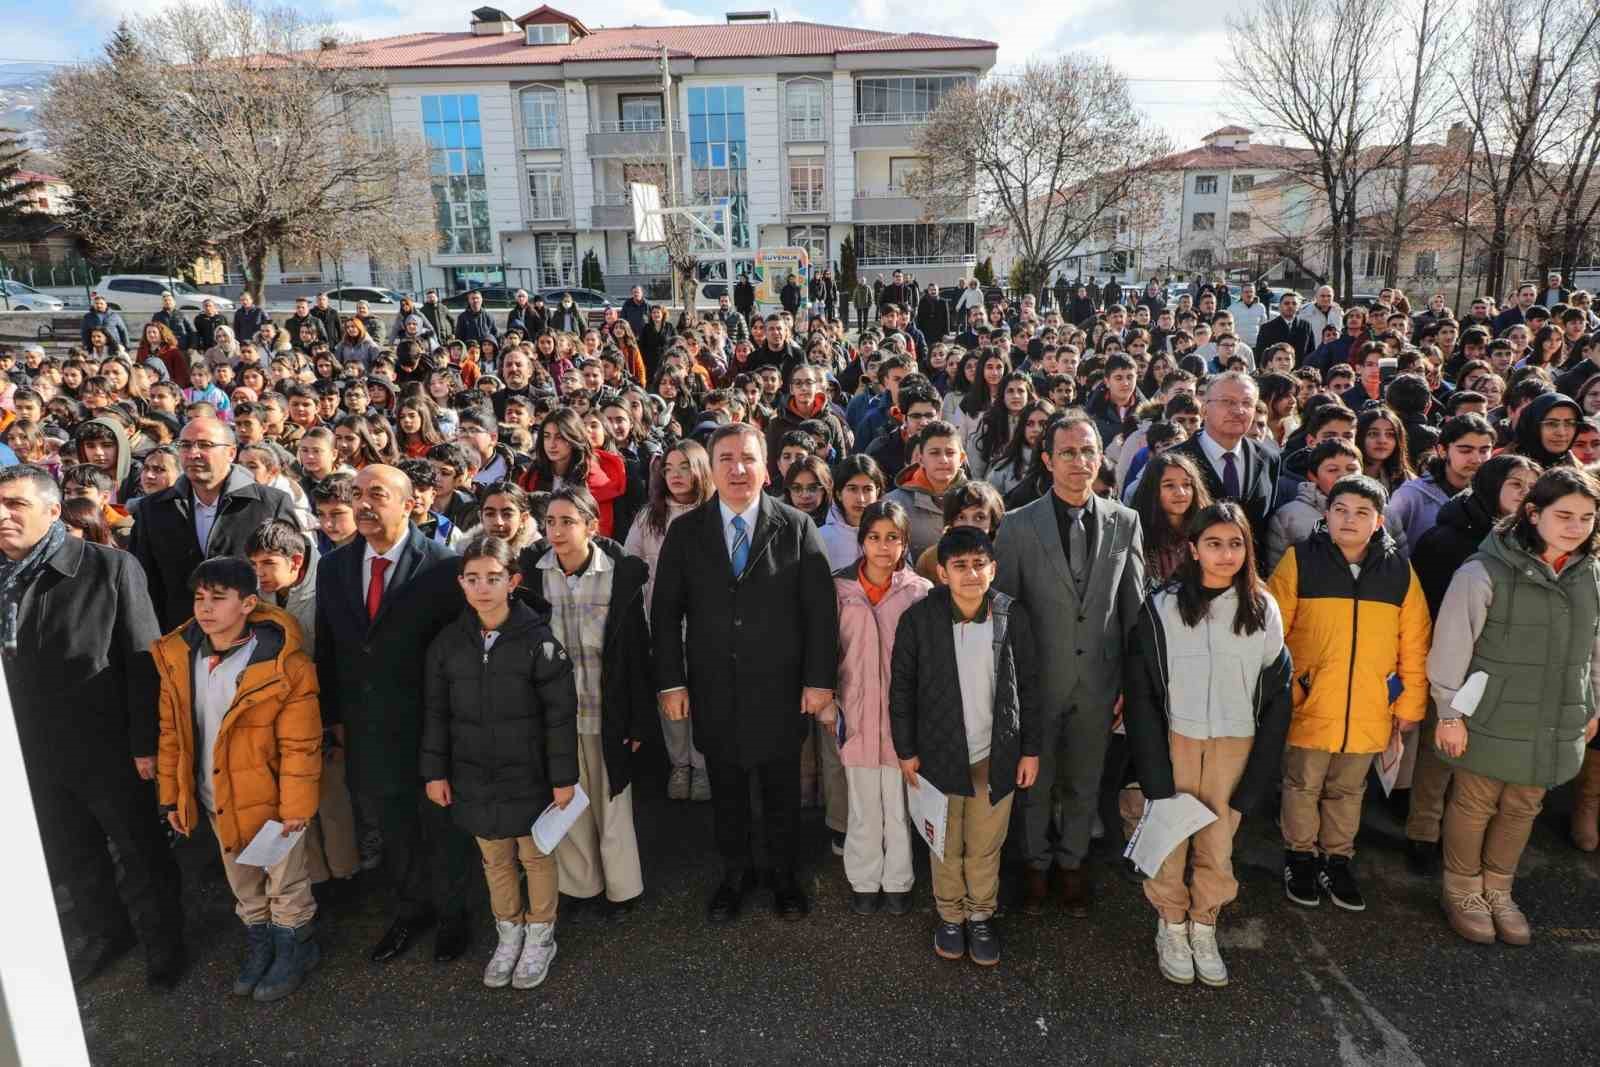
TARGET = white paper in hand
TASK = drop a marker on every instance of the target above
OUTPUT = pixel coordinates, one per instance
(1165, 823)
(1389, 760)
(269, 846)
(554, 822)
(929, 809)
(1471, 691)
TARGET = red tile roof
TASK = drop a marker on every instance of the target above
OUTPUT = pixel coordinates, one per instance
(1210, 156)
(748, 40)
(1228, 131)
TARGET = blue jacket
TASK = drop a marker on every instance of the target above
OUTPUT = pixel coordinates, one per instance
(109, 321)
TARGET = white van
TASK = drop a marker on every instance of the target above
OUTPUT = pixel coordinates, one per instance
(142, 292)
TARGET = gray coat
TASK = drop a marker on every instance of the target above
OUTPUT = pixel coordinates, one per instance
(1080, 643)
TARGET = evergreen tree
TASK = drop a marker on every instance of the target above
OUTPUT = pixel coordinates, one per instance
(16, 195)
(847, 264)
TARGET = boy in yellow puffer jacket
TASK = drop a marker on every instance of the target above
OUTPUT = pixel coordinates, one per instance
(241, 742)
(1354, 615)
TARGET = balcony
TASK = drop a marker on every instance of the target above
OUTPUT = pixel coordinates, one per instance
(635, 138)
(810, 129)
(611, 211)
(807, 202)
(547, 208)
(886, 129)
(885, 204)
(536, 137)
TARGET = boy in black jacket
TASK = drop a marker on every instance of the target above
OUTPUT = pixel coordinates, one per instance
(964, 712)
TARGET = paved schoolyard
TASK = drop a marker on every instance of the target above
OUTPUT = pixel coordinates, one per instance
(1389, 987)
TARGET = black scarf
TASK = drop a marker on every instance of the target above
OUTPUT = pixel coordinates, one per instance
(17, 575)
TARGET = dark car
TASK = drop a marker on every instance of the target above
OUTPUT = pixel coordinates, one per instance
(495, 298)
(593, 303)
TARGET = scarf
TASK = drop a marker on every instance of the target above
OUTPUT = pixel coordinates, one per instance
(15, 578)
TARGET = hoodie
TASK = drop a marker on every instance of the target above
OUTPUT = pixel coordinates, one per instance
(916, 494)
(126, 476)
(1528, 442)
(1298, 519)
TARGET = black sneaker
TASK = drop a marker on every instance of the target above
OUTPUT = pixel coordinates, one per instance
(897, 903)
(1422, 858)
(1300, 878)
(863, 903)
(1339, 882)
(983, 942)
(950, 940)
(837, 841)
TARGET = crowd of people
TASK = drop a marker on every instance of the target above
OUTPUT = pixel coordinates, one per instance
(1055, 561)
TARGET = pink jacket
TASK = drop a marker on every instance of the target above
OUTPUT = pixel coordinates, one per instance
(866, 647)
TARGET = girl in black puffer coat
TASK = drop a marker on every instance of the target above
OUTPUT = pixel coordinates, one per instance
(499, 743)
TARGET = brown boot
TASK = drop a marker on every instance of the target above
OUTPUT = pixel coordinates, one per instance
(1075, 892)
(1035, 888)
(1466, 908)
(1586, 812)
(1510, 925)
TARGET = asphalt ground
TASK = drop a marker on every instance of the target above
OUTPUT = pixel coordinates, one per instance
(1391, 986)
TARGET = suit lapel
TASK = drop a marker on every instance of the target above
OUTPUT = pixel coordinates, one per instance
(1104, 530)
(769, 520)
(404, 568)
(713, 532)
(1048, 532)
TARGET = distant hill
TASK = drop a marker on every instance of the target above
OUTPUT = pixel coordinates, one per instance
(22, 87)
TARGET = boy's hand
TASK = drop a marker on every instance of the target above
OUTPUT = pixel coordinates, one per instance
(439, 792)
(816, 701)
(145, 766)
(1027, 771)
(674, 705)
(293, 825)
(1405, 726)
(1588, 731)
(563, 794)
(909, 768)
(175, 821)
(1450, 737)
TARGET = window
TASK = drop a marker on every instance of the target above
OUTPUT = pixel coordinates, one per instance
(1205, 184)
(1115, 262)
(717, 152)
(1243, 183)
(298, 265)
(455, 168)
(550, 33)
(1427, 264)
(1200, 259)
(368, 116)
(915, 243)
(652, 260)
(545, 196)
(558, 260)
(1374, 262)
(895, 100)
(1238, 220)
(805, 184)
(814, 239)
(640, 112)
(803, 107)
(901, 168)
(541, 117)
(1204, 221)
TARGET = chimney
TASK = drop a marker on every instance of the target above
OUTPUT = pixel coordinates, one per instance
(736, 17)
(1459, 139)
(492, 22)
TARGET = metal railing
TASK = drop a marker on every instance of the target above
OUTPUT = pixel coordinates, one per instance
(547, 207)
(891, 118)
(612, 199)
(805, 129)
(542, 137)
(914, 260)
(632, 126)
(808, 201)
(880, 192)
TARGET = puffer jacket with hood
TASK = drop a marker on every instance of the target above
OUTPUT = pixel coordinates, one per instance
(268, 751)
(839, 539)
(299, 601)
(866, 656)
(1529, 441)
(1464, 521)
(1299, 518)
(915, 493)
(1347, 634)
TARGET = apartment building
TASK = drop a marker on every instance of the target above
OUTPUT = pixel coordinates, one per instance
(535, 127)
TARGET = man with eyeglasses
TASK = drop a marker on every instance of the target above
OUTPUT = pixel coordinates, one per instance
(1235, 467)
(1076, 562)
(211, 511)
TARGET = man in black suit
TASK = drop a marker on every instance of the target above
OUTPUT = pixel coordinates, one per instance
(211, 511)
(381, 600)
(1287, 327)
(1234, 467)
(750, 578)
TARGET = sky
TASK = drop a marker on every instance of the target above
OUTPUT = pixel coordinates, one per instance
(1171, 59)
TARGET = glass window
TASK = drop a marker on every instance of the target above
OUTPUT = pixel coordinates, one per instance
(1204, 221)
(900, 243)
(460, 191)
(545, 193)
(1243, 183)
(641, 112)
(814, 239)
(804, 110)
(549, 34)
(908, 99)
(806, 185)
(558, 260)
(1205, 184)
(717, 151)
(541, 117)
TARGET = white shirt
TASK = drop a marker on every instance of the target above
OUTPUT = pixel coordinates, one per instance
(393, 556)
(749, 515)
(214, 691)
(975, 670)
(1214, 452)
(205, 517)
(494, 472)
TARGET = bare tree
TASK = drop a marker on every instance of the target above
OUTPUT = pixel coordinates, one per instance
(1312, 69)
(1566, 186)
(1520, 90)
(223, 124)
(1053, 149)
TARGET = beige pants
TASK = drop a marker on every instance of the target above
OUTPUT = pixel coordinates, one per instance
(331, 848)
(1208, 771)
(1429, 781)
(1487, 824)
(501, 857)
(280, 894)
(966, 883)
(1322, 794)
(822, 778)
(600, 853)
(877, 847)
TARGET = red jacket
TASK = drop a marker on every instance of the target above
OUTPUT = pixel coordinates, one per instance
(608, 479)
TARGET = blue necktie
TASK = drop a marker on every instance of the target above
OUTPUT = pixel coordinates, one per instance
(1230, 477)
(741, 545)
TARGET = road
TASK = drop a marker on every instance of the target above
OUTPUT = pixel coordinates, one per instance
(1392, 986)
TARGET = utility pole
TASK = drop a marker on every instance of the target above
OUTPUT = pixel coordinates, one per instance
(666, 135)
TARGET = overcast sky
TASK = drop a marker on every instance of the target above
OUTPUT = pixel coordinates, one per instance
(1171, 56)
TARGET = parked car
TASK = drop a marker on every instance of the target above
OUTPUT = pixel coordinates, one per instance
(142, 292)
(375, 296)
(592, 302)
(20, 297)
(495, 298)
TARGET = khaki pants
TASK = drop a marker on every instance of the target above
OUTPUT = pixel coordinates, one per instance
(280, 894)
(331, 847)
(822, 776)
(501, 857)
(1322, 799)
(1208, 771)
(966, 883)
(1487, 824)
(1429, 782)
(600, 853)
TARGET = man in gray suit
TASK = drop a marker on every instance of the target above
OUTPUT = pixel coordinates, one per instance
(1077, 562)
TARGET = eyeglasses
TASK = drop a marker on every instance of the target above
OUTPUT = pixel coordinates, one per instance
(485, 581)
(1234, 405)
(805, 490)
(1559, 424)
(200, 446)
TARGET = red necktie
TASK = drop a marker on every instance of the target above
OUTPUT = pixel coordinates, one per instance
(375, 587)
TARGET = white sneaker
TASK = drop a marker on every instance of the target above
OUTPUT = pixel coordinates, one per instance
(1207, 960)
(497, 975)
(1172, 952)
(538, 949)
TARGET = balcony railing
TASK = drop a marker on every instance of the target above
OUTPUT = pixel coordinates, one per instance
(547, 207)
(541, 137)
(915, 260)
(632, 126)
(880, 192)
(805, 130)
(612, 199)
(890, 118)
(807, 201)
